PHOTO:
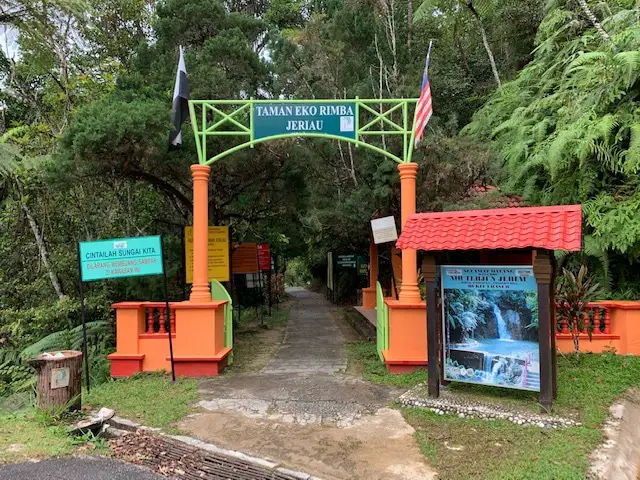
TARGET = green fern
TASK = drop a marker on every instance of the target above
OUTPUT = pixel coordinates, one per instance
(567, 129)
(66, 339)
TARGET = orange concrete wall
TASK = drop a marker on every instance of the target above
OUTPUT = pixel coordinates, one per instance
(129, 324)
(198, 341)
(597, 345)
(407, 332)
(624, 334)
(156, 352)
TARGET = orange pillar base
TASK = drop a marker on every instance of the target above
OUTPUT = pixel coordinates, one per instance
(369, 297)
(198, 348)
(407, 337)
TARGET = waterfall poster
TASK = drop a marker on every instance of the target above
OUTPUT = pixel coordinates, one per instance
(490, 317)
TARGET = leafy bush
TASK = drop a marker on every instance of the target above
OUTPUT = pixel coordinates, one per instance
(573, 293)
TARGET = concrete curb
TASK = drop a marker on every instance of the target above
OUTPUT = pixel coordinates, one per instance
(120, 423)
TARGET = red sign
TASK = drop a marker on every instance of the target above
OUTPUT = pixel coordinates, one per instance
(264, 257)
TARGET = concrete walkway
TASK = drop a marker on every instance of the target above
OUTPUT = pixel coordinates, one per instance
(313, 343)
(303, 412)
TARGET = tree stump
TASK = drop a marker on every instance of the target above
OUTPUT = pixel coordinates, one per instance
(59, 380)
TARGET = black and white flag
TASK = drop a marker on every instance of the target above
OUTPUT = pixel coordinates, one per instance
(180, 110)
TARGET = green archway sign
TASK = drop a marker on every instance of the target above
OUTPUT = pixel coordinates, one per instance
(255, 121)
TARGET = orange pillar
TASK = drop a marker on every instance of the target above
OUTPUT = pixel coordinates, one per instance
(200, 289)
(409, 292)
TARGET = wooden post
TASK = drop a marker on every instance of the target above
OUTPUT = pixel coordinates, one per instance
(554, 329)
(543, 270)
(433, 344)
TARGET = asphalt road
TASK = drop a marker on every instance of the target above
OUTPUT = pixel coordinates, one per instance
(85, 468)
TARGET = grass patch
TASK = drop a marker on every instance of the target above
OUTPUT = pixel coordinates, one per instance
(31, 434)
(465, 448)
(364, 359)
(24, 436)
(150, 399)
(587, 386)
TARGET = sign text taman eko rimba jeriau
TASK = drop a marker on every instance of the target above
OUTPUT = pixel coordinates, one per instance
(271, 119)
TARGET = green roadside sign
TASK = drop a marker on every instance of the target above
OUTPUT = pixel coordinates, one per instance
(120, 257)
(281, 118)
(363, 266)
(346, 261)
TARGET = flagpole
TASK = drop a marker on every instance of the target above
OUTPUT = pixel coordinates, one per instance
(415, 115)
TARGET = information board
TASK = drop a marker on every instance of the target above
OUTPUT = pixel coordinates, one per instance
(120, 258)
(490, 326)
(244, 258)
(384, 230)
(218, 253)
(271, 119)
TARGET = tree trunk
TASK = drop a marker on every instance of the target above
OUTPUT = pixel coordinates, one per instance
(409, 22)
(42, 248)
(485, 42)
(592, 18)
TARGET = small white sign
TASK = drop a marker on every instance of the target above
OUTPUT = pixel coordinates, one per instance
(347, 124)
(384, 230)
(59, 377)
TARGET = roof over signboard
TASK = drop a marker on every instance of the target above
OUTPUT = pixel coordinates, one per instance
(551, 228)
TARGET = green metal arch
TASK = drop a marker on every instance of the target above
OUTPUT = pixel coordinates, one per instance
(374, 111)
(250, 144)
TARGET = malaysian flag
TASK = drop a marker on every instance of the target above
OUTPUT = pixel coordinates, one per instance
(424, 108)
(180, 111)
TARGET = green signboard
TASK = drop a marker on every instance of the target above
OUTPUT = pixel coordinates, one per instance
(273, 119)
(363, 266)
(346, 261)
(120, 257)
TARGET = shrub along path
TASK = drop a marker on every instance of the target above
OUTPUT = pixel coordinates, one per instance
(303, 411)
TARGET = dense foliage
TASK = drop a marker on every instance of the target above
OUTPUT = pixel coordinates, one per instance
(567, 129)
(85, 104)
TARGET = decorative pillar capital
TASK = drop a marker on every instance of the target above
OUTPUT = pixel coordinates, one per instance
(429, 269)
(408, 171)
(543, 267)
(200, 172)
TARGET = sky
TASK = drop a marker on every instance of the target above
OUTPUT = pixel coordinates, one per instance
(8, 40)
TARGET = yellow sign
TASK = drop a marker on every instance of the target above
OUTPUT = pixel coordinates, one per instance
(218, 253)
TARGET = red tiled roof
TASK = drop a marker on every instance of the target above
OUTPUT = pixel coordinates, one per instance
(552, 228)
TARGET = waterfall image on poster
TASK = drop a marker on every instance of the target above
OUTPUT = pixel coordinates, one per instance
(490, 317)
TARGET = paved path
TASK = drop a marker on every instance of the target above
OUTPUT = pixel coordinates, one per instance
(304, 412)
(313, 343)
(74, 468)
(305, 382)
